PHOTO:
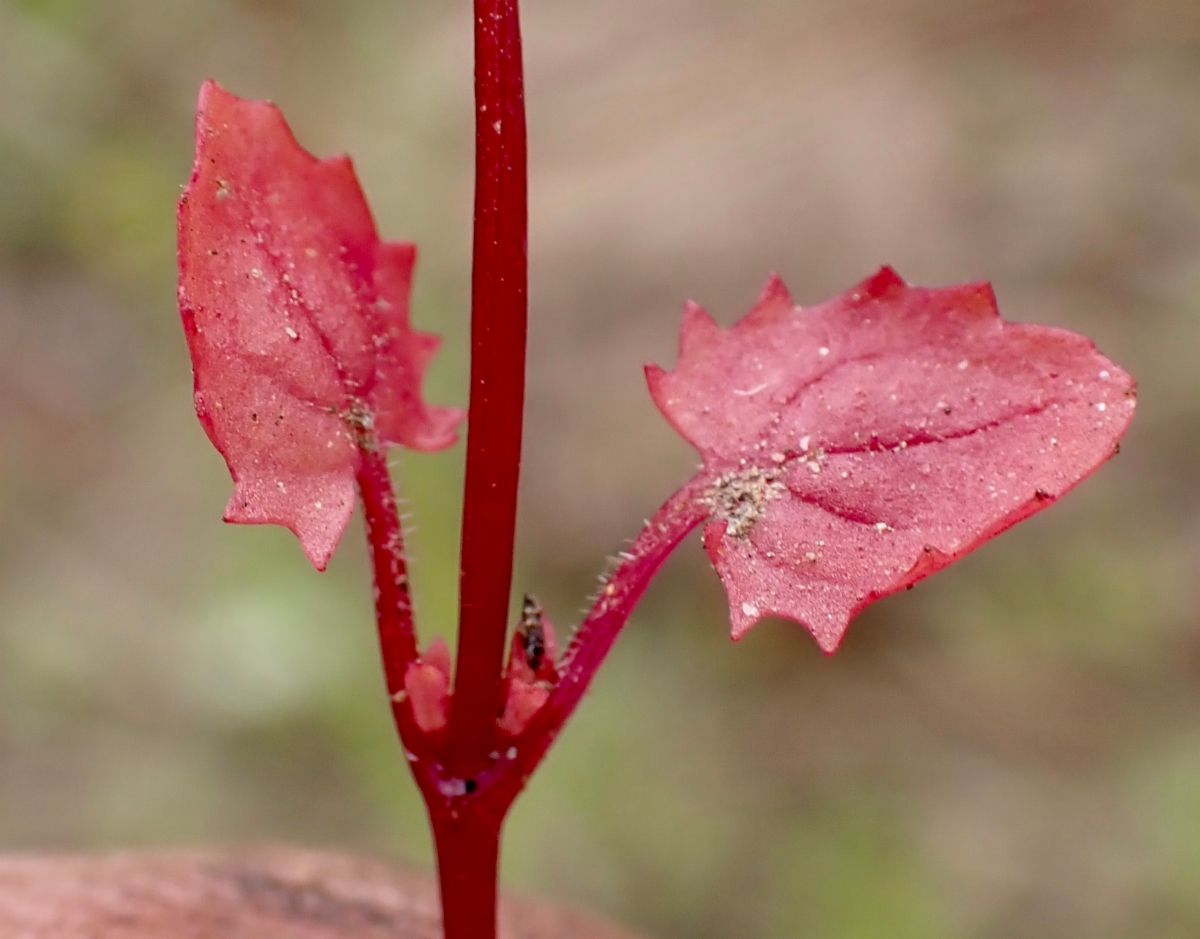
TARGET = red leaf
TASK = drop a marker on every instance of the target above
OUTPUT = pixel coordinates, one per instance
(858, 446)
(296, 316)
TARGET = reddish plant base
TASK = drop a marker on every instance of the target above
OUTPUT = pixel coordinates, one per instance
(273, 893)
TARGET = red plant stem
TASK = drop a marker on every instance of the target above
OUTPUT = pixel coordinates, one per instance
(393, 603)
(498, 317)
(468, 856)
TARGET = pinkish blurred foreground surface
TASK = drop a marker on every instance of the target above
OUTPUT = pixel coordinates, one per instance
(271, 893)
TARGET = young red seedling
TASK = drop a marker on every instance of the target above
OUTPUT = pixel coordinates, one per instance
(849, 449)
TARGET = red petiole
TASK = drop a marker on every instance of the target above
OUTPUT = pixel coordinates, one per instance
(393, 601)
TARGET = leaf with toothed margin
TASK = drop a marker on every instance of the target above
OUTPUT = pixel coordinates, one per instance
(296, 317)
(857, 446)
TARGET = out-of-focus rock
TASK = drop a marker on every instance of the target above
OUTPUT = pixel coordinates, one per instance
(274, 893)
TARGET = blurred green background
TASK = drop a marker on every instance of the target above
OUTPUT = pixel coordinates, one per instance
(1010, 750)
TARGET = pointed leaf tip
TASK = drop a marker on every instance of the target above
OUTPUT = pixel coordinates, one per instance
(775, 291)
(698, 329)
(297, 320)
(879, 284)
(870, 442)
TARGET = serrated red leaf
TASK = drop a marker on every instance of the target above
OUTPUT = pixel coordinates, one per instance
(858, 446)
(296, 317)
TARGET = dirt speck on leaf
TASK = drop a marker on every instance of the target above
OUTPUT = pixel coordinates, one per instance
(740, 497)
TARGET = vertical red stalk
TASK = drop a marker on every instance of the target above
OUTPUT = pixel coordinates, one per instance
(468, 855)
(498, 316)
(467, 831)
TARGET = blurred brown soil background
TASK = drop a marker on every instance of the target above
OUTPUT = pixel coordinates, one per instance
(1012, 749)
